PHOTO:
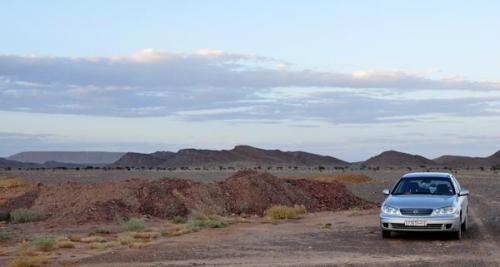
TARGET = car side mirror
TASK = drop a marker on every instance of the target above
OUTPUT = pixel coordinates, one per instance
(385, 192)
(463, 192)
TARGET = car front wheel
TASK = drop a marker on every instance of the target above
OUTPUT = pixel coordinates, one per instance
(457, 235)
(386, 234)
(465, 224)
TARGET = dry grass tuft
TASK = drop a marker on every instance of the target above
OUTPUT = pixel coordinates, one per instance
(29, 261)
(98, 245)
(347, 178)
(75, 238)
(176, 231)
(65, 244)
(4, 234)
(12, 182)
(44, 242)
(281, 212)
(93, 239)
(125, 239)
(139, 245)
(146, 235)
(23, 216)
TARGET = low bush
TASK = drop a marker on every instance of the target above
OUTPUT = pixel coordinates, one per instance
(146, 235)
(99, 231)
(44, 242)
(4, 234)
(29, 261)
(12, 182)
(66, 244)
(93, 239)
(135, 224)
(199, 221)
(23, 216)
(244, 208)
(282, 212)
(179, 220)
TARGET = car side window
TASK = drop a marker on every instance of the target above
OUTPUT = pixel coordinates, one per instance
(456, 183)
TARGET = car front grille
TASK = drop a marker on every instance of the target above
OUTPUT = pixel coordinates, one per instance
(431, 226)
(416, 212)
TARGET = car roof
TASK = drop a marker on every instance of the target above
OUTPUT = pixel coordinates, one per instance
(427, 174)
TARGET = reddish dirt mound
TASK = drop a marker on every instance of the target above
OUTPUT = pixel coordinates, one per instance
(258, 191)
(246, 191)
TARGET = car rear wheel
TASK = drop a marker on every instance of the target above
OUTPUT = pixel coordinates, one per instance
(386, 234)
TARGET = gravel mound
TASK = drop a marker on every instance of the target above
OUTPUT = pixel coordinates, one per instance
(248, 192)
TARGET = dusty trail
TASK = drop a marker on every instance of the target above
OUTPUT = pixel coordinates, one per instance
(352, 240)
(488, 245)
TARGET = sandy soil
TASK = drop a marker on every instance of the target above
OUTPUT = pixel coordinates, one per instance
(352, 240)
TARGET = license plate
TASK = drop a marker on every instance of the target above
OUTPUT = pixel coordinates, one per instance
(416, 223)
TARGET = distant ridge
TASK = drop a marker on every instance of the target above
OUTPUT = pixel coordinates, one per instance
(472, 162)
(72, 157)
(239, 155)
(393, 158)
(5, 163)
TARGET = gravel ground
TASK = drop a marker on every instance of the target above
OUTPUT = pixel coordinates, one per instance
(352, 240)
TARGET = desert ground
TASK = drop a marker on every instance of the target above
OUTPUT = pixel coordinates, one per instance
(341, 238)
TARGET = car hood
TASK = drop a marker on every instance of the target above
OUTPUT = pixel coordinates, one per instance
(420, 201)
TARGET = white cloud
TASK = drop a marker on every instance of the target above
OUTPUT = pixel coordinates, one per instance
(210, 84)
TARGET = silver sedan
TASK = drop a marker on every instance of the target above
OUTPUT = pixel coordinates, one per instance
(427, 201)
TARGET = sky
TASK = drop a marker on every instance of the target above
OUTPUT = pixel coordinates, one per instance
(343, 78)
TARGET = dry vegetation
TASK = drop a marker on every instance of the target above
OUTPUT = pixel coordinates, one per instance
(4, 234)
(12, 182)
(44, 242)
(346, 178)
(29, 261)
(281, 212)
(23, 216)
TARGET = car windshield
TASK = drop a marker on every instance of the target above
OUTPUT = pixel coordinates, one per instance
(424, 186)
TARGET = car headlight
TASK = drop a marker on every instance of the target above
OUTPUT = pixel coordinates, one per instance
(390, 210)
(445, 211)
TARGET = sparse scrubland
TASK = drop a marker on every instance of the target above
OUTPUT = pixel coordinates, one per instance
(138, 214)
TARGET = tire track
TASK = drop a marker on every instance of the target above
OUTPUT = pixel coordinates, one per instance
(487, 244)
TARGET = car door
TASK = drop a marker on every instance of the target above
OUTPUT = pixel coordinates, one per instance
(463, 200)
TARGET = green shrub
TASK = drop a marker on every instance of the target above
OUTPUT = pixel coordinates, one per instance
(282, 212)
(4, 234)
(244, 208)
(179, 220)
(135, 224)
(44, 242)
(23, 216)
(199, 221)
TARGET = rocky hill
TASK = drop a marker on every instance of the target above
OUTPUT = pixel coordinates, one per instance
(393, 158)
(74, 157)
(469, 162)
(239, 155)
(5, 163)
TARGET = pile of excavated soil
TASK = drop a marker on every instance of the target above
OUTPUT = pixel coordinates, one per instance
(245, 192)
